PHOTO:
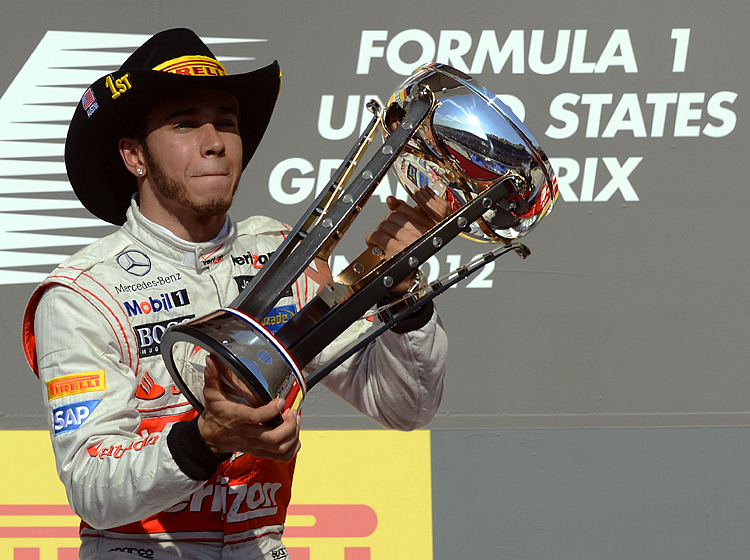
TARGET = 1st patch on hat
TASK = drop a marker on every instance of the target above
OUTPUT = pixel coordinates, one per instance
(89, 102)
(118, 86)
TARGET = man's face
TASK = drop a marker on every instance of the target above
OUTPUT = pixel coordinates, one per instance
(193, 152)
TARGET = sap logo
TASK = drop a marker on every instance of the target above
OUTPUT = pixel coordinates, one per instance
(164, 302)
(278, 317)
(149, 336)
(248, 258)
(69, 417)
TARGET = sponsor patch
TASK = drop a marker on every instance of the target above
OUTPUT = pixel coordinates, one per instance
(134, 262)
(76, 384)
(117, 451)
(70, 417)
(149, 335)
(142, 552)
(193, 65)
(243, 281)
(148, 389)
(257, 261)
(163, 302)
(278, 317)
(148, 284)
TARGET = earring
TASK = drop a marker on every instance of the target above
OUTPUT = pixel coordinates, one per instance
(139, 171)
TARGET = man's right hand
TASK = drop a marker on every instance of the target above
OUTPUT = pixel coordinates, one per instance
(229, 426)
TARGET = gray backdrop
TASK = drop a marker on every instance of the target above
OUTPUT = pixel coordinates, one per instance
(629, 316)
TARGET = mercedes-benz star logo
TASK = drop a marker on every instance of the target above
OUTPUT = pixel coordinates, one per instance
(134, 262)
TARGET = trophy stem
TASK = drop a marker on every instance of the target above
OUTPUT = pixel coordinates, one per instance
(300, 248)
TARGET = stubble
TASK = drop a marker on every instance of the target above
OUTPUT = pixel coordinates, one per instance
(171, 189)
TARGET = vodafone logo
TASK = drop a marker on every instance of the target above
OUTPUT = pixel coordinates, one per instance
(39, 213)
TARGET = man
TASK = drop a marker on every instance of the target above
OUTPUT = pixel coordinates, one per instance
(144, 472)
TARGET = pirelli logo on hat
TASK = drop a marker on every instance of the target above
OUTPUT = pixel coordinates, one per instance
(193, 65)
(76, 384)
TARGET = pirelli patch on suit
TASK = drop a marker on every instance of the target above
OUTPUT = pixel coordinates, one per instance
(76, 384)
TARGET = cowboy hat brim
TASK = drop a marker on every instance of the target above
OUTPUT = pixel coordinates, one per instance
(113, 103)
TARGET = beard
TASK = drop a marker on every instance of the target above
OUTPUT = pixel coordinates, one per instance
(173, 190)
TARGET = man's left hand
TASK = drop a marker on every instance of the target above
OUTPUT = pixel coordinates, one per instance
(403, 226)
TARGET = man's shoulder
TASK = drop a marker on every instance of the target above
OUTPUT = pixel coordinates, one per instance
(100, 251)
(261, 225)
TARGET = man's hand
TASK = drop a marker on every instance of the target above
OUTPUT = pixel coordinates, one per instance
(229, 426)
(405, 224)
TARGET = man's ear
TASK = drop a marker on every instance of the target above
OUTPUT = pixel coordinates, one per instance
(131, 151)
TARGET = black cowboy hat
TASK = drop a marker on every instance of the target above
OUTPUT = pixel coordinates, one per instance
(170, 62)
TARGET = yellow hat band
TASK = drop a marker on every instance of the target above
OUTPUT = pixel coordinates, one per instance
(194, 65)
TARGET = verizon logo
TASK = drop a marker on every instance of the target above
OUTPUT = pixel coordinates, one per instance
(41, 221)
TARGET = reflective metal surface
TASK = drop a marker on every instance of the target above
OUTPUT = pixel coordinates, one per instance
(469, 142)
(258, 368)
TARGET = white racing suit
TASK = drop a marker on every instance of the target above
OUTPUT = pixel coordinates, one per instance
(126, 441)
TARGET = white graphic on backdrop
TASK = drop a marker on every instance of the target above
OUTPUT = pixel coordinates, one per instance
(39, 214)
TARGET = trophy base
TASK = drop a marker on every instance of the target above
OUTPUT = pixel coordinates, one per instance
(258, 368)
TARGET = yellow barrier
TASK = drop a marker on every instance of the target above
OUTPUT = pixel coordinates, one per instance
(357, 495)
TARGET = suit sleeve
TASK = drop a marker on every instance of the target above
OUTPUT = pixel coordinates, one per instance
(115, 472)
(397, 380)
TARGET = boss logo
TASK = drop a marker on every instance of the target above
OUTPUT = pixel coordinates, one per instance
(149, 336)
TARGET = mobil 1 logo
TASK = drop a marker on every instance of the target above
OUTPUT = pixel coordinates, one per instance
(149, 335)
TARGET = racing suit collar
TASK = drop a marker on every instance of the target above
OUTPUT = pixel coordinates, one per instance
(195, 255)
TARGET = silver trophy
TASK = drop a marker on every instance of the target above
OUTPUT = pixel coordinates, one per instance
(442, 131)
